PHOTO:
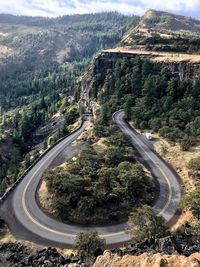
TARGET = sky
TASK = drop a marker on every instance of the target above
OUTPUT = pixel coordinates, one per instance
(53, 8)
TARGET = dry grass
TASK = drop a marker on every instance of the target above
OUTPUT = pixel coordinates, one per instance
(149, 14)
(67, 252)
(158, 56)
(179, 159)
(100, 145)
(6, 237)
(185, 217)
(45, 197)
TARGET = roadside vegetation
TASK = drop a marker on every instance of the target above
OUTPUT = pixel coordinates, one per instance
(194, 166)
(191, 202)
(144, 224)
(89, 244)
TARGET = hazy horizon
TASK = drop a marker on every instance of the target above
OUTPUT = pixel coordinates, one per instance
(55, 8)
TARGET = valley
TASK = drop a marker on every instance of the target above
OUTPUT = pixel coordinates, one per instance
(35, 86)
(78, 94)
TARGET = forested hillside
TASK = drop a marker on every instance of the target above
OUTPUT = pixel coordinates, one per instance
(153, 98)
(37, 46)
(41, 63)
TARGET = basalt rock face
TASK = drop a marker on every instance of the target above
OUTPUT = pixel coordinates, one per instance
(107, 60)
(184, 70)
(17, 255)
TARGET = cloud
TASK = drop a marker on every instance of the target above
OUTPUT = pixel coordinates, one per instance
(54, 8)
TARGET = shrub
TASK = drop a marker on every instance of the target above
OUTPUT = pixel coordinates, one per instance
(89, 244)
(191, 201)
(143, 223)
(194, 164)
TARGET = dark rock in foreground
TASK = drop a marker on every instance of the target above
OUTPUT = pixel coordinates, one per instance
(17, 255)
(179, 244)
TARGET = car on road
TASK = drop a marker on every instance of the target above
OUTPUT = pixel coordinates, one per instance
(149, 136)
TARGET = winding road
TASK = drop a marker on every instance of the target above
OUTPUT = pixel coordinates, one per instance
(170, 191)
(28, 222)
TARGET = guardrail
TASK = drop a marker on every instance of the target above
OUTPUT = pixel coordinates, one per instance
(14, 185)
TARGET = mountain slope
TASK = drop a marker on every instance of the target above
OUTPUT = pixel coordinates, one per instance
(166, 21)
(162, 31)
(35, 41)
(41, 63)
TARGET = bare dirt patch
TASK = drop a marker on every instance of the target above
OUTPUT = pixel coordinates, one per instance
(185, 217)
(85, 135)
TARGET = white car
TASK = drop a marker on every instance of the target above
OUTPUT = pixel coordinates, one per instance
(149, 136)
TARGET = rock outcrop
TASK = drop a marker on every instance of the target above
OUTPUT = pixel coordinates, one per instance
(179, 251)
(171, 251)
(180, 244)
(147, 260)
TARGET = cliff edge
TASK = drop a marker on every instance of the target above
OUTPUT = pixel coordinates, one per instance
(147, 260)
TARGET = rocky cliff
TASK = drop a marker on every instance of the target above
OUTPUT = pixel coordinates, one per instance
(185, 66)
(171, 251)
(147, 260)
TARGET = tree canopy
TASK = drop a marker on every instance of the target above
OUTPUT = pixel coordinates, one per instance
(191, 201)
(89, 244)
(144, 224)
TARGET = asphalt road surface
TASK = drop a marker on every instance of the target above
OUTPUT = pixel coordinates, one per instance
(28, 222)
